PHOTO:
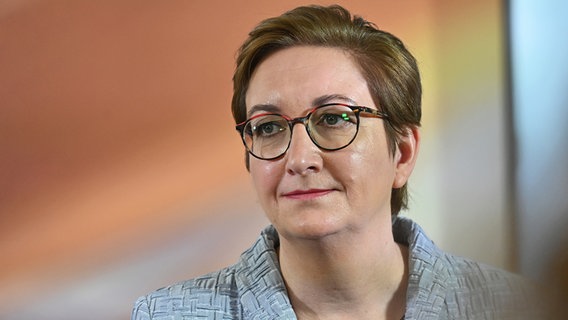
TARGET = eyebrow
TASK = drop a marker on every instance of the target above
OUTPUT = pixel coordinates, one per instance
(330, 98)
(325, 99)
(262, 107)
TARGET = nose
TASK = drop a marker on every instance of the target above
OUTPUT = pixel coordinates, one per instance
(303, 156)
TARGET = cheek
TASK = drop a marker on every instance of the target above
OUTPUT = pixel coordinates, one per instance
(370, 161)
(265, 175)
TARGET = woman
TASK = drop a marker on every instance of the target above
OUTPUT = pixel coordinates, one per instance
(328, 108)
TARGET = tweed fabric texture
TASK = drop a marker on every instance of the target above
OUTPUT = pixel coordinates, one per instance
(441, 286)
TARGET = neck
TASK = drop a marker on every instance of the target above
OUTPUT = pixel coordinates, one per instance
(346, 276)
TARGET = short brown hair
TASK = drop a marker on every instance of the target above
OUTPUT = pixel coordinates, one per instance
(388, 67)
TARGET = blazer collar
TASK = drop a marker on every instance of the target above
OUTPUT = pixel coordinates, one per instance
(429, 275)
(265, 295)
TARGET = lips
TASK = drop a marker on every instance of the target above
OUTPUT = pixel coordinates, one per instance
(307, 194)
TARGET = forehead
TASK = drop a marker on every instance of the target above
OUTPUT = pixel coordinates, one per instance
(299, 75)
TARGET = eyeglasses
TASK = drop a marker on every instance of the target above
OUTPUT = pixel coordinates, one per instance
(331, 127)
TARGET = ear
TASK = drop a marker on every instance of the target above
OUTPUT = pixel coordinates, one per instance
(405, 156)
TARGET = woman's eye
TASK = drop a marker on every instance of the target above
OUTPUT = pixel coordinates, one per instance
(268, 129)
(332, 119)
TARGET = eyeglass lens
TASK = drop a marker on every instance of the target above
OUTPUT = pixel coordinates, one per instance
(330, 127)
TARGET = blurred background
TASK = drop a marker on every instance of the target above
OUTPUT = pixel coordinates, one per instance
(121, 171)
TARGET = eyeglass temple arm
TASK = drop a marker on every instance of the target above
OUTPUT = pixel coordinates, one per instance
(374, 112)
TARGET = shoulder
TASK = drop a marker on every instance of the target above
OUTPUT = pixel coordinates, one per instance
(480, 276)
(475, 277)
(213, 294)
(251, 287)
(443, 283)
(217, 284)
(478, 290)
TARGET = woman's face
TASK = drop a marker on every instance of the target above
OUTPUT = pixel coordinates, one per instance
(311, 193)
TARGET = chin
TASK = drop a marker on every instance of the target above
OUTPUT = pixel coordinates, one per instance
(313, 229)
